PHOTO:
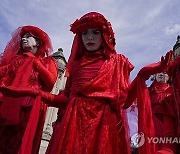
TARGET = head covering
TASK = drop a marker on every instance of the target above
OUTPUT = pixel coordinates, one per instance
(14, 45)
(90, 20)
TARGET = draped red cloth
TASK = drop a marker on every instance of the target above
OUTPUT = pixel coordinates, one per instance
(171, 109)
(90, 123)
(158, 92)
(13, 106)
(22, 115)
(174, 74)
(145, 123)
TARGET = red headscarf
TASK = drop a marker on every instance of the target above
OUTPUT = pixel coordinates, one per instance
(90, 20)
(14, 46)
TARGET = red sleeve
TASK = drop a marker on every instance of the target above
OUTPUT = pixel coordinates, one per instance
(47, 72)
(132, 94)
(54, 100)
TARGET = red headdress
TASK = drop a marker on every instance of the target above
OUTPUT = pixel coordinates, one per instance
(90, 20)
(14, 45)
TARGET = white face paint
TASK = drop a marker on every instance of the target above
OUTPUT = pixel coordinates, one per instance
(162, 77)
(29, 43)
(92, 39)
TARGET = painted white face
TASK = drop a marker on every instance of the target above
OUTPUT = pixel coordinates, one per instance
(29, 43)
(177, 52)
(162, 77)
(92, 39)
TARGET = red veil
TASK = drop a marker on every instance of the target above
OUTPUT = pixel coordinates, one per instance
(14, 45)
(93, 20)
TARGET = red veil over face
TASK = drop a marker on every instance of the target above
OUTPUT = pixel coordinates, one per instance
(90, 20)
(14, 45)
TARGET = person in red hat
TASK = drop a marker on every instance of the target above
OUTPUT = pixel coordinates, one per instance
(159, 90)
(25, 63)
(96, 89)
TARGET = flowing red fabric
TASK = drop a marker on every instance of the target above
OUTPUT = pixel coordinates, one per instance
(93, 20)
(158, 92)
(173, 104)
(145, 123)
(167, 111)
(14, 45)
(24, 114)
(90, 123)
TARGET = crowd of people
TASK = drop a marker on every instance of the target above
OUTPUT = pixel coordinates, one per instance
(92, 115)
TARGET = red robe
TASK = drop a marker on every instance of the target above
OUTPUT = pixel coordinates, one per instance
(170, 109)
(20, 116)
(158, 92)
(93, 121)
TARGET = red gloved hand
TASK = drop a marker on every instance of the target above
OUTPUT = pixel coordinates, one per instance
(155, 68)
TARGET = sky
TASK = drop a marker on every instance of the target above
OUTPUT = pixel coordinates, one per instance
(144, 29)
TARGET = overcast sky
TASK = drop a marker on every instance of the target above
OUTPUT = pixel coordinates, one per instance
(144, 29)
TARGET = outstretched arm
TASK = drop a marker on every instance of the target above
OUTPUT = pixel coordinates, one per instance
(155, 68)
(132, 94)
(48, 98)
(54, 100)
(144, 74)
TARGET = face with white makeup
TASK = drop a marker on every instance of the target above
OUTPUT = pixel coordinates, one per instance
(161, 77)
(29, 43)
(92, 39)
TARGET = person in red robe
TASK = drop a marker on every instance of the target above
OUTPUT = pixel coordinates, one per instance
(96, 89)
(171, 109)
(139, 89)
(168, 110)
(25, 63)
(159, 90)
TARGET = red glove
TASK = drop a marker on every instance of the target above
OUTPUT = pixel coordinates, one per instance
(155, 68)
(58, 101)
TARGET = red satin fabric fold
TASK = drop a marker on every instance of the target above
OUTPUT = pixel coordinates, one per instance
(174, 73)
(89, 124)
(145, 123)
(158, 92)
(21, 74)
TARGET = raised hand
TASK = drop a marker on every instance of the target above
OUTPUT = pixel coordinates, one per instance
(158, 67)
(167, 59)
